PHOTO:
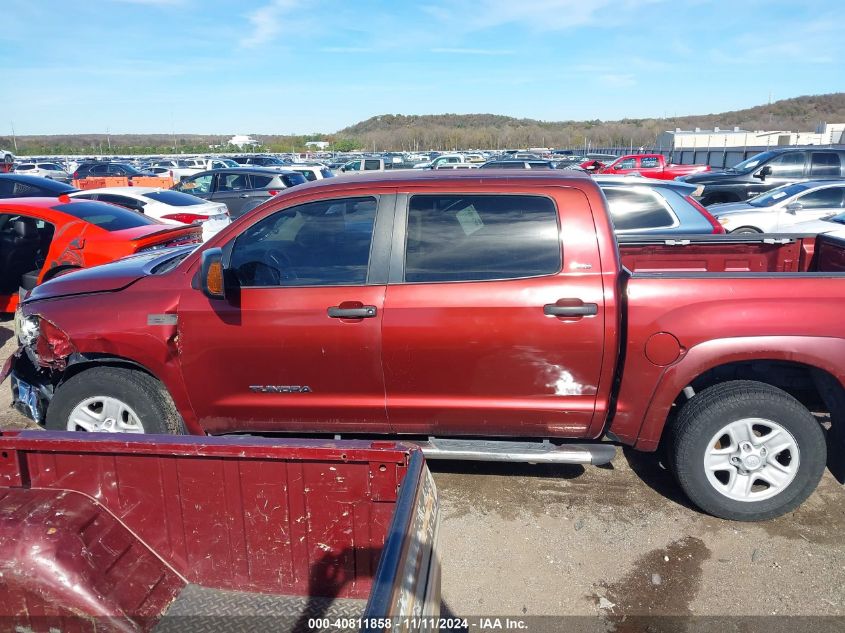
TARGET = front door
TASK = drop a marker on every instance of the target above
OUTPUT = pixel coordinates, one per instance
(234, 190)
(300, 348)
(811, 206)
(485, 333)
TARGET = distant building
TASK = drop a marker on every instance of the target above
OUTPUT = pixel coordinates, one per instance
(320, 145)
(241, 141)
(825, 134)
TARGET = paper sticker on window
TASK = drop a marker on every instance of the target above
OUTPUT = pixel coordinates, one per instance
(469, 219)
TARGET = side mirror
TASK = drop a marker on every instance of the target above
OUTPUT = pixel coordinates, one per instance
(794, 207)
(212, 277)
(765, 171)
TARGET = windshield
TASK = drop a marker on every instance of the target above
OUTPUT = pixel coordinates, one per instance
(750, 163)
(777, 195)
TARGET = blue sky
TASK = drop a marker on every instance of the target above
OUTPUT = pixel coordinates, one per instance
(298, 66)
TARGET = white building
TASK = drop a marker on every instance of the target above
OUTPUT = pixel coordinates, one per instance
(320, 145)
(825, 134)
(241, 141)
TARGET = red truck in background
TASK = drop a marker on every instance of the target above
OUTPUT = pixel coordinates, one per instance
(134, 533)
(650, 166)
(486, 315)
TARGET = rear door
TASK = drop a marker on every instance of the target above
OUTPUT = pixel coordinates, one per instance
(811, 206)
(490, 328)
(234, 189)
(298, 348)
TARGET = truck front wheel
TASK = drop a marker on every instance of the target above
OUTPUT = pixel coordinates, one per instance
(747, 451)
(113, 400)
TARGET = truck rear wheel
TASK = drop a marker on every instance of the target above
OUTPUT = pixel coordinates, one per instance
(747, 451)
(113, 400)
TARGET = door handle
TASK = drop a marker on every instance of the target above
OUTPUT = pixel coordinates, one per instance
(582, 309)
(364, 312)
(244, 195)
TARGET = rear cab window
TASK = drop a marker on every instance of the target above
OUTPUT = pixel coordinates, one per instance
(481, 238)
(106, 216)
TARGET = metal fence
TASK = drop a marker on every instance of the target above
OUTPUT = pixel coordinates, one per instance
(717, 157)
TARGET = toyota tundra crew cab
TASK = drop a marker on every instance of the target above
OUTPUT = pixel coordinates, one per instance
(487, 315)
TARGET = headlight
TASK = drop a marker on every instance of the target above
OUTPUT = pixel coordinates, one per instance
(27, 328)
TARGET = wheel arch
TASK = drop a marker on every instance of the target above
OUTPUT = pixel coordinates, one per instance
(82, 363)
(808, 368)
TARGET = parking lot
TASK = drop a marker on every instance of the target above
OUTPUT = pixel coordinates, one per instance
(523, 540)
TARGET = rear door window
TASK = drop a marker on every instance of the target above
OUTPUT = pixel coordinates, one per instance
(370, 165)
(233, 182)
(477, 237)
(825, 164)
(637, 210)
(830, 198)
(787, 165)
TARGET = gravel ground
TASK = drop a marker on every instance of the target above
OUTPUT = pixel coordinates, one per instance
(616, 542)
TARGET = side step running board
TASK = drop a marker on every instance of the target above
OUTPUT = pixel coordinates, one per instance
(510, 451)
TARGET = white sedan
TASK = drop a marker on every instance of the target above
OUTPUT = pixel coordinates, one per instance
(171, 207)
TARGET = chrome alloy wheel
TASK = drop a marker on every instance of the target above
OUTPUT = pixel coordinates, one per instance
(104, 414)
(751, 459)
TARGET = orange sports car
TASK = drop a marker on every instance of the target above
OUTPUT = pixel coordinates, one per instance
(41, 238)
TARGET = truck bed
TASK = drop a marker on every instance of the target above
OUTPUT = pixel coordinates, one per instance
(774, 253)
(138, 532)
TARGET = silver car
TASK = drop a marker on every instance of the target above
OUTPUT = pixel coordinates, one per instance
(779, 210)
(45, 170)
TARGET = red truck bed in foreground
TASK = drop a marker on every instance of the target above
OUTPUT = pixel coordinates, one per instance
(140, 533)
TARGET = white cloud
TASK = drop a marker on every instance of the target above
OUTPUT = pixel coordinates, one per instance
(267, 22)
(472, 51)
(540, 15)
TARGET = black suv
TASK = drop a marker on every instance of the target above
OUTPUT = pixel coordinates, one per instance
(108, 170)
(768, 170)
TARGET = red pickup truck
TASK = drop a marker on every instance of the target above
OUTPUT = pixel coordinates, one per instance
(487, 315)
(650, 166)
(215, 534)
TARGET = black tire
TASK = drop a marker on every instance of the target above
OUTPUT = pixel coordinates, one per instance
(745, 230)
(709, 411)
(144, 394)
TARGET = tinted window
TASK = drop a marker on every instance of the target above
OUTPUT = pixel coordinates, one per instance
(100, 170)
(372, 164)
(174, 198)
(825, 164)
(355, 165)
(123, 201)
(318, 244)
(830, 198)
(24, 167)
(788, 165)
(233, 182)
(649, 162)
(628, 163)
(291, 180)
(309, 175)
(539, 165)
(261, 182)
(470, 238)
(636, 210)
(106, 216)
(326, 173)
